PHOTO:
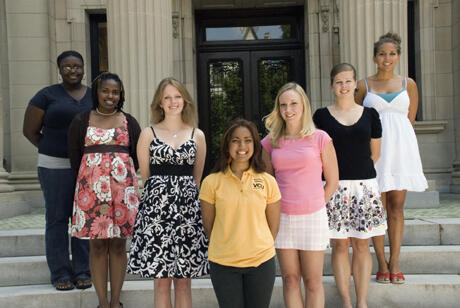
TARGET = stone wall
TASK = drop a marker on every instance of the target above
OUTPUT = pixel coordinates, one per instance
(28, 61)
(34, 32)
(434, 79)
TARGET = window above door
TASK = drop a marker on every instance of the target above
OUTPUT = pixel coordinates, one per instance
(246, 28)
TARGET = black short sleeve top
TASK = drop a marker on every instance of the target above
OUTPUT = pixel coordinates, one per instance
(60, 108)
(352, 142)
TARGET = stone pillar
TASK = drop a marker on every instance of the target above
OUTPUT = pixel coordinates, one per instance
(362, 22)
(320, 35)
(4, 186)
(140, 40)
(184, 44)
(456, 85)
(27, 59)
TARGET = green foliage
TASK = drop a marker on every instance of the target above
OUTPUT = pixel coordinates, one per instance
(226, 93)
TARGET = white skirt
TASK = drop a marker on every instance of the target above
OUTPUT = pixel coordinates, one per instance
(355, 210)
(303, 232)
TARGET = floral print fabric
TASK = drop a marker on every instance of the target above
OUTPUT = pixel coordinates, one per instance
(355, 210)
(169, 239)
(106, 193)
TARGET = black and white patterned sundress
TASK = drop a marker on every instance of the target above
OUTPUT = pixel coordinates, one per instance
(169, 239)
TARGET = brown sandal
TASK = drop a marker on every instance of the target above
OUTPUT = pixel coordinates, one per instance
(83, 283)
(63, 285)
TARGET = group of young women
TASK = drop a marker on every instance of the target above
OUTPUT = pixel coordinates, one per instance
(311, 179)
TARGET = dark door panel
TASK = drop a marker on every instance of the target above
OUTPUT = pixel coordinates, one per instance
(244, 57)
(222, 95)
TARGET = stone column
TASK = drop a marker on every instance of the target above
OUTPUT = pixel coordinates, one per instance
(456, 84)
(4, 186)
(140, 40)
(361, 24)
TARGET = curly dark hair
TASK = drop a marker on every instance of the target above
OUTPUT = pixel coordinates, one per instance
(256, 162)
(388, 37)
(97, 83)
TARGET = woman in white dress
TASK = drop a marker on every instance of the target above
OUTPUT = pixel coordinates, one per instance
(399, 168)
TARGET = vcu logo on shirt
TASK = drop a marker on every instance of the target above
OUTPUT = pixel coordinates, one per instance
(258, 184)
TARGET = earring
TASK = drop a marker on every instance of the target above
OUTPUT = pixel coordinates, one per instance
(229, 160)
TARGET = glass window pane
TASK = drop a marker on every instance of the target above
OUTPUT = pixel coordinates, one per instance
(102, 46)
(226, 99)
(273, 74)
(272, 32)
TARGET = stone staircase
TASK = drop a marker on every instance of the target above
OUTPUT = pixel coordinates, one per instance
(430, 259)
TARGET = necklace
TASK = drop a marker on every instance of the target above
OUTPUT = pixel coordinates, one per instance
(106, 114)
(173, 134)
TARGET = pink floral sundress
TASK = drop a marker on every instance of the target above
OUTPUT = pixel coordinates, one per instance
(107, 193)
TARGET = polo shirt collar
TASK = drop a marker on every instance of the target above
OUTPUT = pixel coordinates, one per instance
(229, 172)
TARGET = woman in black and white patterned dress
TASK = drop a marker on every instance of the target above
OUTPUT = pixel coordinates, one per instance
(169, 243)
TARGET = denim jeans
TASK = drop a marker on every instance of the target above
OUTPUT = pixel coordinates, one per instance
(58, 186)
(243, 287)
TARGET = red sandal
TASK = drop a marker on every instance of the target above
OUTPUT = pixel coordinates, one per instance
(382, 277)
(397, 278)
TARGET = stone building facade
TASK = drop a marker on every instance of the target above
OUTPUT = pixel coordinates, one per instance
(147, 40)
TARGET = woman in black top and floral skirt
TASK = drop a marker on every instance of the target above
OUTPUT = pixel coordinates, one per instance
(355, 211)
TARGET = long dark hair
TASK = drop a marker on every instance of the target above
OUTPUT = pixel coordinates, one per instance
(255, 162)
(97, 83)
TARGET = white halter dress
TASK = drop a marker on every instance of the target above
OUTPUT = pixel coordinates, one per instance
(399, 166)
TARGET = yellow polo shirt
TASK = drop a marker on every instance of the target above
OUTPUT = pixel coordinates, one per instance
(240, 236)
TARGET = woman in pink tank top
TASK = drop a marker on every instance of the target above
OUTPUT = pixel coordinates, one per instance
(299, 154)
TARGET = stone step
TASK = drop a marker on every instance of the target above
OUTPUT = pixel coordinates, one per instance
(413, 260)
(19, 203)
(441, 291)
(422, 200)
(431, 232)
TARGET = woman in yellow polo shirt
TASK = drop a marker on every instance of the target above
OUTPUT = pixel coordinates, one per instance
(240, 205)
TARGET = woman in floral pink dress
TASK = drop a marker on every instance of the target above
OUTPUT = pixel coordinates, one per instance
(102, 150)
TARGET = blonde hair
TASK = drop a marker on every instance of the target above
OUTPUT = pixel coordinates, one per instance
(189, 114)
(275, 123)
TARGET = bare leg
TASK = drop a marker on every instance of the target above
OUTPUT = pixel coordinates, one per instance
(311, 264)
(162, 293)
(362, 268)
(182, 293)
(395, 210)
(342, 269)
(290, 270)
(98, 262)
(379, 244)
(117, 264)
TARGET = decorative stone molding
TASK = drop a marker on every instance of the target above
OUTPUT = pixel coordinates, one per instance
(429, 127)
(4, 185)
(324, 11)
(24, 180)
(175, 24)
